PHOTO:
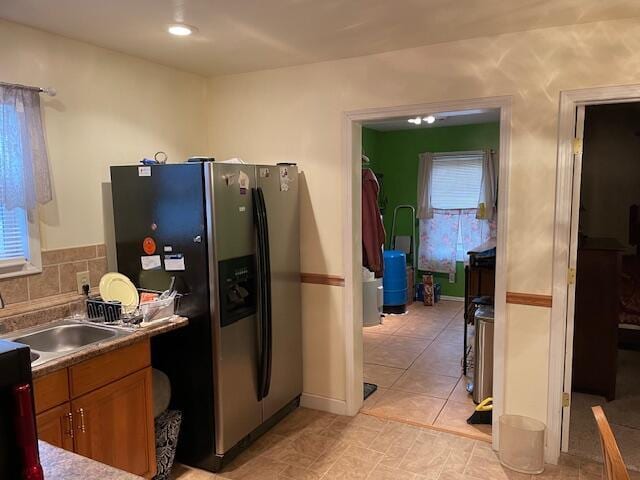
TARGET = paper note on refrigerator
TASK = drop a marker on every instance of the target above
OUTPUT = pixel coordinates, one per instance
(150, 262)
(174, 263)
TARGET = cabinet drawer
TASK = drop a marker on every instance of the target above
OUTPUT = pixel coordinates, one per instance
(107, 368)
(51, 390)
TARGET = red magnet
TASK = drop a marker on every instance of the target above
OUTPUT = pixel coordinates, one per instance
(149, 246)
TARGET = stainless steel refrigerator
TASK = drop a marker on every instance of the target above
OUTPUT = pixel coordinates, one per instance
(229, 235)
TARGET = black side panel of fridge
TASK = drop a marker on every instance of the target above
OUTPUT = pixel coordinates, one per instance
(163, 206)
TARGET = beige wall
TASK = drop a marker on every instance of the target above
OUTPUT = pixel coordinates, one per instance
(110, 109)
(295, 114)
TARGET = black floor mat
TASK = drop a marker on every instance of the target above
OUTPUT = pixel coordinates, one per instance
(369, 388)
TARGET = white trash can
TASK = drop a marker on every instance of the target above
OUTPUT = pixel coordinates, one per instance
(521, 444)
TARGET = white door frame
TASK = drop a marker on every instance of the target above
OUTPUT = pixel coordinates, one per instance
(565, 246)
(352, 238)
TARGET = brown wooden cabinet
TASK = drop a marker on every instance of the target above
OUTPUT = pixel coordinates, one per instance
(109, 417)
(113, 424)
(55, 426)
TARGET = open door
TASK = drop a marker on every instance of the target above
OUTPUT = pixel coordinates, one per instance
(571, 273)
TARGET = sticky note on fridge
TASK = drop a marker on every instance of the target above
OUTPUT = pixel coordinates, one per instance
(174, 263)
(150, 262)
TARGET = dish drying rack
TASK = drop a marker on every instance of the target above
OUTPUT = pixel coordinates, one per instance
(104, 311)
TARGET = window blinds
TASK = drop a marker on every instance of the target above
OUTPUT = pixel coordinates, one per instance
(13, 234)
(456, 180)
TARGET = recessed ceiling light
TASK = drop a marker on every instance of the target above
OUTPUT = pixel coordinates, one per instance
(415, 121)
(181, 30)
(430, 119)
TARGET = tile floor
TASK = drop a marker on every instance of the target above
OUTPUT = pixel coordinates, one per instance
(415, 359)
(312, 445)
(623, 414)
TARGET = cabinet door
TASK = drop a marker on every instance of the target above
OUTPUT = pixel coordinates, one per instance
(114, 424)
(55, 426)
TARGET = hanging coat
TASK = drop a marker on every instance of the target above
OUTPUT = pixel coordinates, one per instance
(372, 228)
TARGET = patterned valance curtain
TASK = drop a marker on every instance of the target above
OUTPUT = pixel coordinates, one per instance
(24, 166)
(447, 236)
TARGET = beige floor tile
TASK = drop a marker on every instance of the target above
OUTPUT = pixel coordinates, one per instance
(303, 419)
(373, 398)
(385, 473)
(420, 328)
(412, 407)
(483, 465)
(460, 393)
(443, 351)
(182, 472)
(360, 421)
(349, 467)
(381, 375)
(454, 416)
(371, 339)
(394, 355)
(426, 460)
(418, 381)
(395, 434)
(438, 366)
(260, 468)
(352, 435)
(389, 325)
(297, 473)
(453, 336)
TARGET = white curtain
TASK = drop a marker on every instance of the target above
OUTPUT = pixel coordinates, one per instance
(487, 202)
(448, 236)
(24, 167)
(425, 167)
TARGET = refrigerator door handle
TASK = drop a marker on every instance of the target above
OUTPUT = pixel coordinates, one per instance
(264, 356)
(268, 310)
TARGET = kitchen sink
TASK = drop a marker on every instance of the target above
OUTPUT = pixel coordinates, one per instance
(65, 338)
(54, 340)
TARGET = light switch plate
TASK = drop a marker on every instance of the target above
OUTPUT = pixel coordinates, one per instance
(82, 278)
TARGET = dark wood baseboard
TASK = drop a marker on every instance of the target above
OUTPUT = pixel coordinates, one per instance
(321, 279)
(530, 299)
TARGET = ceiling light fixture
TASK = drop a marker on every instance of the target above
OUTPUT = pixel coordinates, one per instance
(430, 119)
(415, 121)
(181, 30)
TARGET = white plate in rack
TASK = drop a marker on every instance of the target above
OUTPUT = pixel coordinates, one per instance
(116, 287)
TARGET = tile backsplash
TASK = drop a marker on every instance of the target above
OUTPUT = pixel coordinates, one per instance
(59, 268)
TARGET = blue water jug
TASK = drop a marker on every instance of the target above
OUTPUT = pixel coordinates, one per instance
(394, 282)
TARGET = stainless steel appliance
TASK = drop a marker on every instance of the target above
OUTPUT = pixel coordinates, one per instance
(483, 351)
(229, 234)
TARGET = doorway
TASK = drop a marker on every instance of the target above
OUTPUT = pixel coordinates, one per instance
(438, 329)
(603, 309)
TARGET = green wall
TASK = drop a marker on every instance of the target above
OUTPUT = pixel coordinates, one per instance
(395, 156)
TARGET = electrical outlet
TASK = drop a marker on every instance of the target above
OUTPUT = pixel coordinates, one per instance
(82, 278)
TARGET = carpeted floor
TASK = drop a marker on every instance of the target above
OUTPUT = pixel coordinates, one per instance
(623, 414)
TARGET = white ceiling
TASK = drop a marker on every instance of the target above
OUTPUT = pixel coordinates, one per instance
(444, 119)
(246, 35)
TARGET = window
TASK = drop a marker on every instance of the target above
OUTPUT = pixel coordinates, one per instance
(455, 185)
(456, 180)
(19, 243)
